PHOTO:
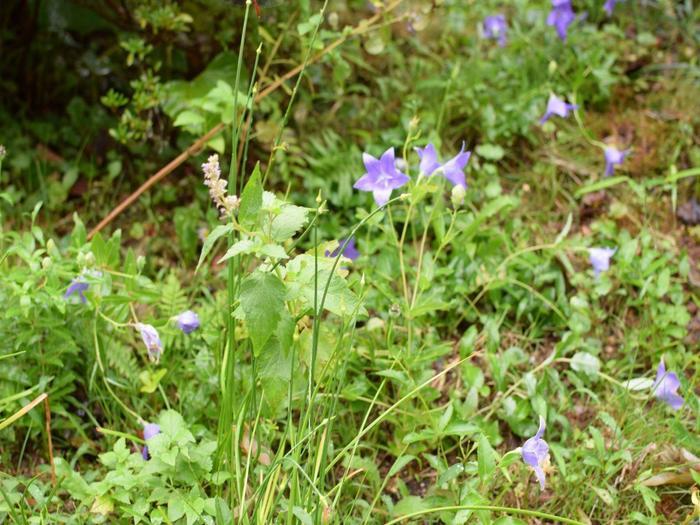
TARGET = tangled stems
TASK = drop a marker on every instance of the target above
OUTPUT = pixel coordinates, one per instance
(492, 508)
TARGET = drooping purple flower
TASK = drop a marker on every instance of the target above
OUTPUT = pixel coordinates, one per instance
(561, 17)
(382, 177)
(350, 250)
(557, 106)
(535, 451)
(666, 386)
(600, 259)
(77, 287)
(149, 430)
(452, 170)
(188, 321)
(495, 27)
(613, 157)
(609, 6)
(151, 339)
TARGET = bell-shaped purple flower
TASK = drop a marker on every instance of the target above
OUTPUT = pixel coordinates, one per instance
(151, 339)
(452, 170)
(149, 430)
(77, 287)
(535, 451)
(561, 17)
(495, 27)
(666, 386)
(188, 321)
(613, 157)
(350, 251)
(557, 106)
(609, 6)
(382, 177)
(600, 259)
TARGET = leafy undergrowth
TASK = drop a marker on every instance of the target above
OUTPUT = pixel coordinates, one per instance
(296, 346)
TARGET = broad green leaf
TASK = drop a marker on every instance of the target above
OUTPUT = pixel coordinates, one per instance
(586, 363)
(189, 119)
(242, 246)
(290, 220)
(490, 151)
(399, 464)
(251, 198)
(487, 458)
(215, 235)
(262, 301)
(176, 507)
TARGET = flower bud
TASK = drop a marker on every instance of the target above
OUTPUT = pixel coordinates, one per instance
(140, 263)
(46, 263)
(89, 259)
(458, 193)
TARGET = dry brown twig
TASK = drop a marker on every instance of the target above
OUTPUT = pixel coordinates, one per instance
(361, 28)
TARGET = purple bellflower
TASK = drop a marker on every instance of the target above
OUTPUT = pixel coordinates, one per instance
(609, 6)
(535, 451)
(666, 386)
(149, 430)
(151, 339)
(613, 157)
(350, 250)
(382, 177)
(600, 259)
(188, 321)
(495, 28)
(77, 287)
(556, 106)
(452, 170)
(561, 17)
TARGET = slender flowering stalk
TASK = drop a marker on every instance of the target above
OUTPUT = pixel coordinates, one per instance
(188, 321)
(666, 386)
(77, 287)
(495, 27)
(535, 451)
(561, 17)
(151, 339)
(217, 186)
(600, 259)
(350, 250)
(382, 177)
(613, 157)
(149, 430)
(452, 170)
(557, 106)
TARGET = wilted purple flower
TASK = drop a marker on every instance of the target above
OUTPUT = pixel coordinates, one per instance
(149, 430)
(609, 6)
(600, 259)
(151, 339)
(613, 156)
(535, 451)
(452, 170)
(666, 386)
(188, 321)
(561, 17)
(77, 286)
(350, 250)
(556, 106)
(382, 177)
(495, 27)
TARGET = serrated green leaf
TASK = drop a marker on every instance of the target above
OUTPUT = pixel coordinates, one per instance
(251, 198)
(262, 300)
(290, 220)
(242, 246)
(215, 235)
